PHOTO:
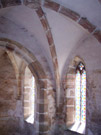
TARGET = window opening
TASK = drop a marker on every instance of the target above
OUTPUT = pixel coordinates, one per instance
(80, 93)
(29, 96)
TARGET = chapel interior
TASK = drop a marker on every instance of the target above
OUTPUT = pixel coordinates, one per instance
(50, 67)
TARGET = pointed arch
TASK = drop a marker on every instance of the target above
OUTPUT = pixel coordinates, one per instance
(39, 74)
(75, 98)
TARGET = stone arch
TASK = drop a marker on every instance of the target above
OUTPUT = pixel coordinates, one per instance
(75, 17)
(38, 7)
(69, 90)
(82, 21)
(39, 74)
(47, 29)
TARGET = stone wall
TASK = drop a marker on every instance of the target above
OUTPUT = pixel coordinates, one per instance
(48, 116)
(10, 108)
(91, 58)
(45, 97)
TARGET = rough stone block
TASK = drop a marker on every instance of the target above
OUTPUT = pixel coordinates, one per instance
(42, 83)
(26, 104)
(26, 97)
(37, 69)
(41, 108)
(6, 3)
(42, 117)
(43, 128)
(70, 110)
(44, 23)
(49, 37)
(97, 35)
(51, 5)
(40, 12)
(70, 101)
(71, 76)
(53, 51)
(69, 13)
(72, 92)
(86, 24)
(26, 111)
(55, 62)
(70, 117)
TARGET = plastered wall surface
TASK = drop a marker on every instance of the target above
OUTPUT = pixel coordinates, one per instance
(88, 12)
(23, 25)
(27, 32)
(66, 34)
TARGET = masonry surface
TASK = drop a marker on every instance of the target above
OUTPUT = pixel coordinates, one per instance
(46, 40)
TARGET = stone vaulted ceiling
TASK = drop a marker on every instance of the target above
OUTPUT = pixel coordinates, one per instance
(58, 27)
